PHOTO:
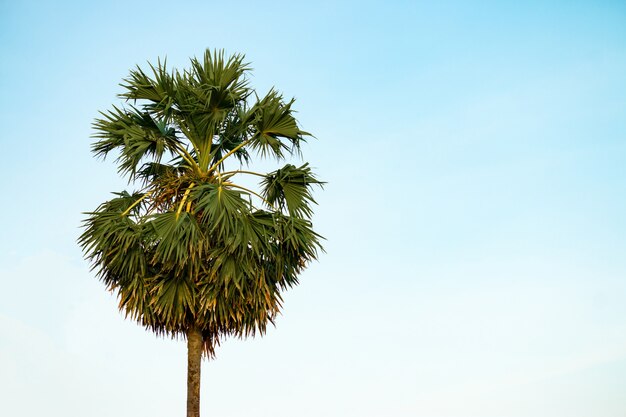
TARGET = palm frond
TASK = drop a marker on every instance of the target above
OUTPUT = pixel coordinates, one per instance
(137, 136)
(290, 187)
(276, 130)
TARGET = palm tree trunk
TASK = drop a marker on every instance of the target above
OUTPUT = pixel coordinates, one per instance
(194, 358)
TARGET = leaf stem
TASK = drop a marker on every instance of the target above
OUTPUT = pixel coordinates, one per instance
(182, 202)
(187, 157)
(249, 191)
(243, 172)
(235, 149)
(132, 206)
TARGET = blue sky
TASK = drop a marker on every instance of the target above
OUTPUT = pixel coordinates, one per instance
(474, 211)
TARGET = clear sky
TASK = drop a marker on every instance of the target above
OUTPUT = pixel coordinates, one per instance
(475, 158)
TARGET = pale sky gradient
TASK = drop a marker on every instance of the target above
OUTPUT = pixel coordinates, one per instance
(475, 210)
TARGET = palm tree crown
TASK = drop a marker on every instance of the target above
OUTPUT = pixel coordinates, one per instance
(195, 248)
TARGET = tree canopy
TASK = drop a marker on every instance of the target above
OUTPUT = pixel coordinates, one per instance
(195, 246)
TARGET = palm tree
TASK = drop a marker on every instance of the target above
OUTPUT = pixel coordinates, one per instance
(197, 252)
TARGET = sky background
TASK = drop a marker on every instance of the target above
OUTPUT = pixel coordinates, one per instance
(474, 213)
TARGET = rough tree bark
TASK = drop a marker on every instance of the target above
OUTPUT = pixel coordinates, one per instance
(194, 358)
